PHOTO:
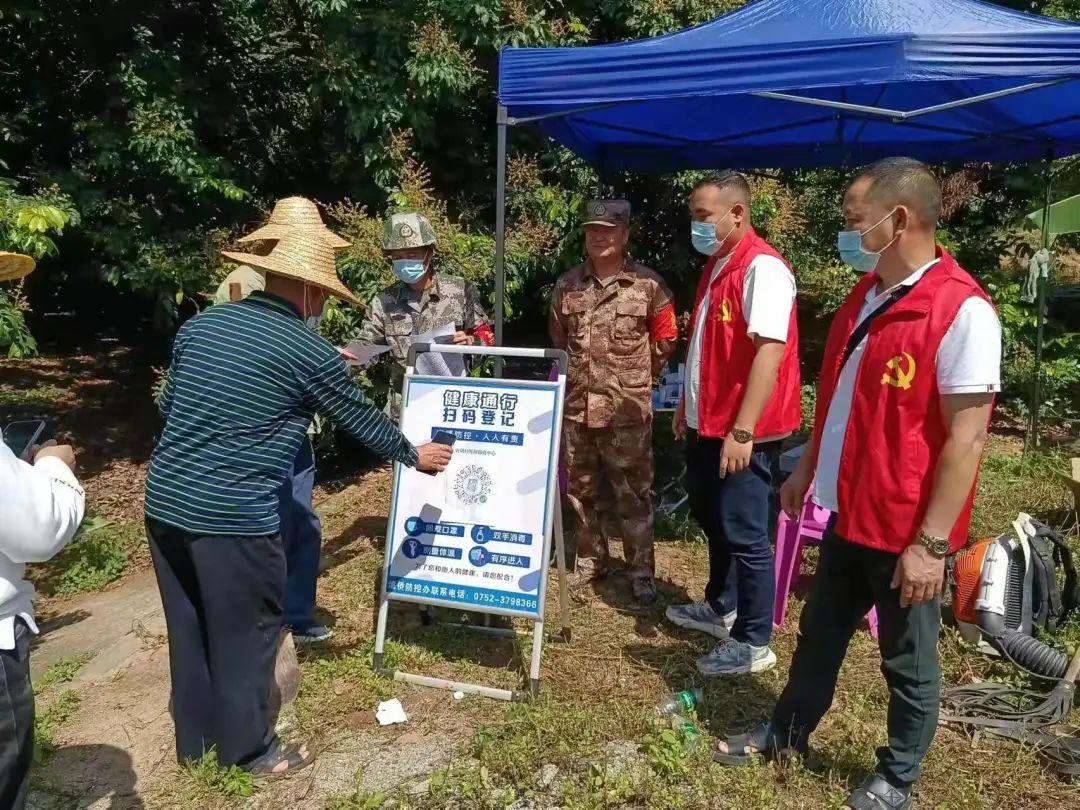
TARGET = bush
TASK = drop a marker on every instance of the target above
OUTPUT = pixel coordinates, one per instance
(1061, 358)
(14, 334)
(27, 225)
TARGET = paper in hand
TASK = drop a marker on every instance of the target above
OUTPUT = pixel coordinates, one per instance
(436, 364)
(357, 354)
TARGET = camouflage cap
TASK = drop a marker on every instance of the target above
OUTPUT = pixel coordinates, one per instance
(407, 230)
(608, 212)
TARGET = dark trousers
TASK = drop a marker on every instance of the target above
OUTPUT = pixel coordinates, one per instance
(850, 580)
(222, 599)
(301, 534)
(734, 514)
(16, 720)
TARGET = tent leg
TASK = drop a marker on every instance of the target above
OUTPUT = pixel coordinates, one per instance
(500, 234)
(1040, 321)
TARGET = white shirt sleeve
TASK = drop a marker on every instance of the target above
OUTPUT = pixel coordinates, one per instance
(41, 507)
(969, 357)
(768, 296)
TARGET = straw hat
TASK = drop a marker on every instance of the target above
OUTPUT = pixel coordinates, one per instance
(302, 255)
(14, 266)
(295, 213)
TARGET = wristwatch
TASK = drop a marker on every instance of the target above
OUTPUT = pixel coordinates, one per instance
(742, 435)
(938, 546)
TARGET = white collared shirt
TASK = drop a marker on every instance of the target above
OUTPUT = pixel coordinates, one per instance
(968, 361)
(41, 507)
(768, 296)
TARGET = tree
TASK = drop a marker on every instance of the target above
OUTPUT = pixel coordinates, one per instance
(171, 125)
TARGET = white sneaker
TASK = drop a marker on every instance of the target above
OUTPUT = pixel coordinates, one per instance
(701, 616)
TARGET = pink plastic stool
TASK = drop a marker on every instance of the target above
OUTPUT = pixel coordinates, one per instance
(791, 535)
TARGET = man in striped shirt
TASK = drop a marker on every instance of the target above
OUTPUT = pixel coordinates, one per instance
(245, 380)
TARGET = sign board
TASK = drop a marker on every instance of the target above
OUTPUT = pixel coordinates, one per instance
(476, 536)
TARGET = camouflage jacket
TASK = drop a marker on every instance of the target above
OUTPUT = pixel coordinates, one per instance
(398, 313)
(605, 327)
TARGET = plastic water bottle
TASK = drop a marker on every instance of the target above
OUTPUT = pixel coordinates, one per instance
(690, 733)
(680, 703)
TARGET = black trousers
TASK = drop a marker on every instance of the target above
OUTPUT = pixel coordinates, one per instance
(734, 514)
(222, 597)
(850, 580)
(16, 720)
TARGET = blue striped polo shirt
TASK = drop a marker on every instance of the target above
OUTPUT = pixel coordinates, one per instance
(245, 380)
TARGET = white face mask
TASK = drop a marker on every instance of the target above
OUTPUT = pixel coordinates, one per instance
(312, 321)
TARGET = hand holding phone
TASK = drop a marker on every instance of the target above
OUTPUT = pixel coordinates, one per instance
(23, 437)
(64, 452)
(435, 455)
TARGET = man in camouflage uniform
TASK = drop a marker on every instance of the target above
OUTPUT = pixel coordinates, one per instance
(421, 299)
(615, 319)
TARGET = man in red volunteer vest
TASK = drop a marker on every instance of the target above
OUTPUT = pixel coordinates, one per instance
(907, 384)
(741, 398)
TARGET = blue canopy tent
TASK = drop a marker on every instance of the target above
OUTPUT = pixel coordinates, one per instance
(804, 83)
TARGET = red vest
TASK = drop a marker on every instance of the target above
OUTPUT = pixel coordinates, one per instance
(895, 433)
(727, 352)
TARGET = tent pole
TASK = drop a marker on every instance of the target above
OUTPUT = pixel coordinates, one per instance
(500, 233)
(1040, 320)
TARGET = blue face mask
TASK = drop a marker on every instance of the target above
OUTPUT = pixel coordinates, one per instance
(703, 236)
(849, 245)
(410, 270)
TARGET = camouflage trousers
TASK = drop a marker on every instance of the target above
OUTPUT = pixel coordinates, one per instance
(610, 476)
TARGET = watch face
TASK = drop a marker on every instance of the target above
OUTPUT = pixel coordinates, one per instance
(938, 546)
(741, 435)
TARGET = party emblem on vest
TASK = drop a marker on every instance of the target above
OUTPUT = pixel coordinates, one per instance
(724, 314)
(900, 371)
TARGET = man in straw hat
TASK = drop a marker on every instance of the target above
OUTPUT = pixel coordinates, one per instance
(421, 299)
(41, 506)
(289, 214)
(301, 529)
(245, 380)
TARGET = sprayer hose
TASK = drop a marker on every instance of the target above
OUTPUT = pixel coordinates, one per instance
(1033, 655)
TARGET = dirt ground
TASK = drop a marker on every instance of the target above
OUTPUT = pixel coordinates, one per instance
(116, 750)
(587, 743)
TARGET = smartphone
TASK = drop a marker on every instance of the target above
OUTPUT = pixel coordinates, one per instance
(22, 437)
(442, 437)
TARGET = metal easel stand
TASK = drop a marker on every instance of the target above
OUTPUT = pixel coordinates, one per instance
(554, 535)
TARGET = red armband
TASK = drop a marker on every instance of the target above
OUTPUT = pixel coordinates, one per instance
(484, 334)
(662, 325)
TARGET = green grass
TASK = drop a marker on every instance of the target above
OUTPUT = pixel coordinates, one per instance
(1013, 482)
(40, 396)
(589, 742)
(63, 671)
(52, 714)
(49, 720)
(97, 556)
(207, 776)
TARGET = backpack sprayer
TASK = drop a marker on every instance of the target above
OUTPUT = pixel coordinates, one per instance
(1007, 590)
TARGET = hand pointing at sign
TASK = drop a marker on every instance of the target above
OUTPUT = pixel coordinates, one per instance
(433, 457)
